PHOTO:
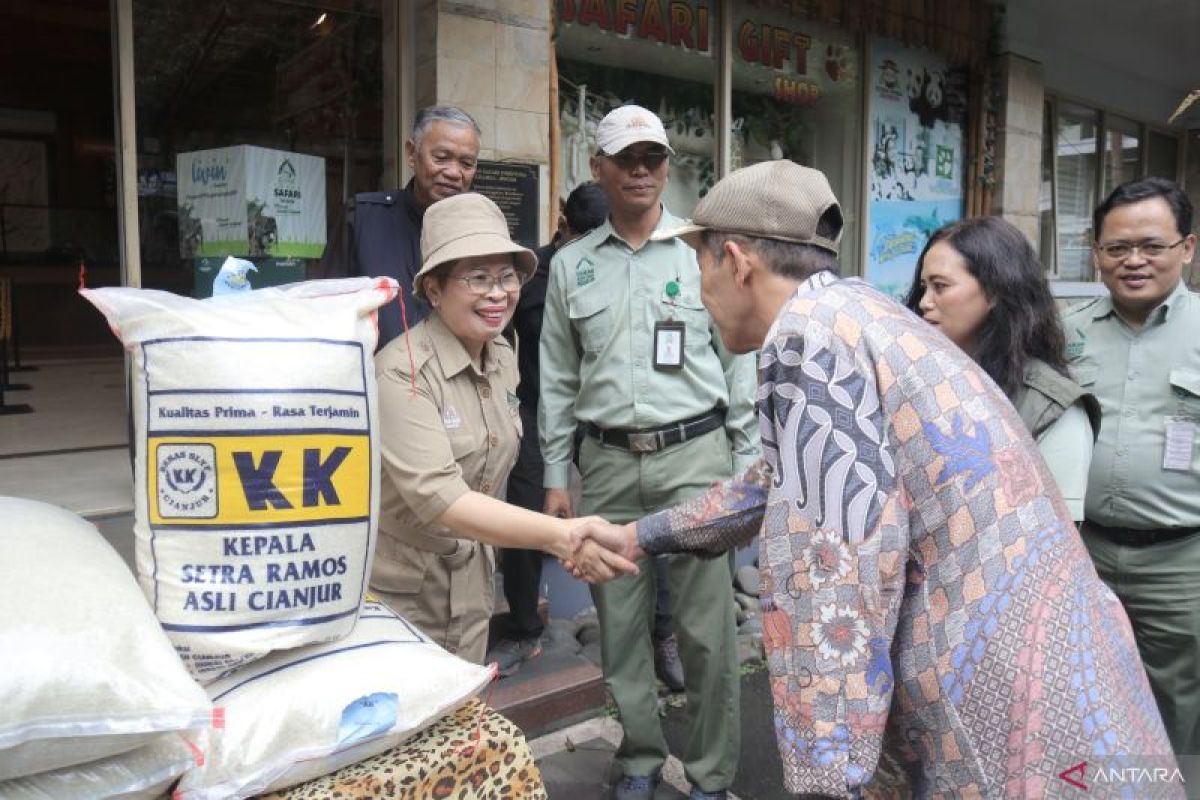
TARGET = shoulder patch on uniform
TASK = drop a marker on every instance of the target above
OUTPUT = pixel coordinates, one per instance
(585, 272)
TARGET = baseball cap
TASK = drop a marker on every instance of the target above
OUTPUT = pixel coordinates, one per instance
(629, 125)
(773, 199)
(462, 226)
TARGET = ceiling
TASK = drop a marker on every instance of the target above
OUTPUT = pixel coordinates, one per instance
(1140, 57)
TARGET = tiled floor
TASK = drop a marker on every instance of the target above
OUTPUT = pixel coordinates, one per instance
(73, 449)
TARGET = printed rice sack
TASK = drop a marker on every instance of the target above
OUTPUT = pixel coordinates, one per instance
(256, 482)
(85, 670)
(300, 714)
(146, 773)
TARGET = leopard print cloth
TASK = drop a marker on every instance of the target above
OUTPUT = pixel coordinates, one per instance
(443, 762)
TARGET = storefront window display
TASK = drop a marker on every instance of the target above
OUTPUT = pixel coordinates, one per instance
(797, 94)
(656, 55)
(256, 123)
(796, 91)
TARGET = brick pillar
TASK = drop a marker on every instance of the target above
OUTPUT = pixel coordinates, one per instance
(493, 61)
(1019, 143)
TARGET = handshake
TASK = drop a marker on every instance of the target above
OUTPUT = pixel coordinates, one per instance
(599, 551)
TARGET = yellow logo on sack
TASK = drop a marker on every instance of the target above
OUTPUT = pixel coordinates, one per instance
(235, 480)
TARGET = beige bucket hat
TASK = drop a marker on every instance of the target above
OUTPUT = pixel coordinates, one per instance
(774, 199)
(462, 226)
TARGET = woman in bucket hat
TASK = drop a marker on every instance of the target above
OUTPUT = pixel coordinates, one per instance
(449, 431)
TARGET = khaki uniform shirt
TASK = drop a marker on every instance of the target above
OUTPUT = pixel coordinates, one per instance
(459, 431)
(602, 303)
(1142, 378)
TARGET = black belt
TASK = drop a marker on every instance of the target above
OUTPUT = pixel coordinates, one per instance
(1131, 537)
(654, 439)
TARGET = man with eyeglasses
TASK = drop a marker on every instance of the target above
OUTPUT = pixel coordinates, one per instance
(1137, 350)
(629, 351)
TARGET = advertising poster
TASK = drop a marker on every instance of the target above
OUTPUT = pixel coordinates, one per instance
(916, 159)
(251, 201)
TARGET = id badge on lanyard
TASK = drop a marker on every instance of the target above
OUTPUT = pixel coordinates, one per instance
(668, 337)
(668, 345)
(1179, 444)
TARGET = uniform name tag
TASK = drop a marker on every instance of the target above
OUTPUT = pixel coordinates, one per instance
(1179, 444)
(668, 345)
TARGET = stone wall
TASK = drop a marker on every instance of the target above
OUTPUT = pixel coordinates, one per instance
(1019, 143)
(490, 58)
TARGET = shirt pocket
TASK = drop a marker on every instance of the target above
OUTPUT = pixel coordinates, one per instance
(1185, 386)
(591, 313)
(688, 309)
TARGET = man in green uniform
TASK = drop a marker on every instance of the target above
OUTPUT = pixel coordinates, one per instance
(629, 351)
(1138, 351)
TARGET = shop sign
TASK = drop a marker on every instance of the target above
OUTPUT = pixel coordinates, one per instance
(251, 201)
(686, 24)
(675, 23)
(917, 116)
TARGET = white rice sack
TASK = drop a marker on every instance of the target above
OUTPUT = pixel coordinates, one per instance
(85, 670)
(142, 774)
(256, 483)
(295, 716)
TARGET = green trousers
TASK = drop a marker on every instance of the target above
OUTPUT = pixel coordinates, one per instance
(1159, 585)
(622, 486)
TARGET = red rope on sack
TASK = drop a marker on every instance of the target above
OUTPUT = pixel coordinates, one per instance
(82, 274)
(412, 364)
(469, 750)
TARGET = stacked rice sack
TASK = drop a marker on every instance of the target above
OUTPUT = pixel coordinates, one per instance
(256, 486)
(256, 476)
(93, 698)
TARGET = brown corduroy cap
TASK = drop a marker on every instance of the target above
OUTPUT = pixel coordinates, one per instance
(774, 199)
(465, 225)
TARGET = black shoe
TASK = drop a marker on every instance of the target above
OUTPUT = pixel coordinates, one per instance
(667, 665)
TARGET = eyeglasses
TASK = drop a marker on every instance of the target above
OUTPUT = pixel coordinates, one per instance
(1119, 251)
(481, 283)
(628, 161)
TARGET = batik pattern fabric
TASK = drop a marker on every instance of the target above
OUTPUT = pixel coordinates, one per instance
(932, 622)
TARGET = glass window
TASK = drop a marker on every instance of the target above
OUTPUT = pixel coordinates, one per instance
(797, 89)
(1072, 135)
(664, 64)
(256, 123)
(1122, 151)
(1075, 163)
(1162, 157)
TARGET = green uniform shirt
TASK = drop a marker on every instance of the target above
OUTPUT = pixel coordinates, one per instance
(1143, 379)
(1067, 447)
(597, 358)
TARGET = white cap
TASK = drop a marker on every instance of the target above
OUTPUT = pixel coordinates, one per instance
(629, 125)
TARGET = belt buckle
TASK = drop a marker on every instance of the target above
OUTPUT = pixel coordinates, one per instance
(643, 442)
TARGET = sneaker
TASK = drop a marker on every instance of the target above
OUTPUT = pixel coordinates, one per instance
(667, 665)
(510, 654)
(699, 794)
(636, 787)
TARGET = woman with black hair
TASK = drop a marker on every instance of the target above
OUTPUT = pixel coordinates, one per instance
(980, 283)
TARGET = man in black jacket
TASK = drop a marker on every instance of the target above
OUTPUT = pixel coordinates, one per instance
(385, 235)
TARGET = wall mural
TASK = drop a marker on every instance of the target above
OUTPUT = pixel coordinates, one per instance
(916, 158)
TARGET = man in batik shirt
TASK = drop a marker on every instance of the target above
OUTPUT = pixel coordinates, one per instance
(932, 622)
